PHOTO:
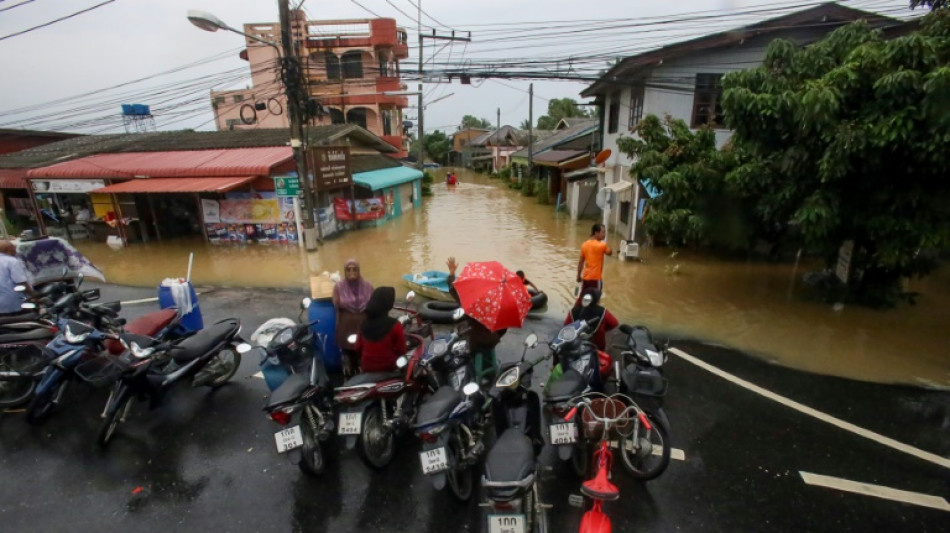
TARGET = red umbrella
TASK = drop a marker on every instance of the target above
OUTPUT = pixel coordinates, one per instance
(493, 295)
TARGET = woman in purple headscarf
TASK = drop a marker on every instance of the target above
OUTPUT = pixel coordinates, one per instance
(350, 296)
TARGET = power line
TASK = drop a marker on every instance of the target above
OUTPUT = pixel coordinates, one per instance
(88, 9)
(17, 5)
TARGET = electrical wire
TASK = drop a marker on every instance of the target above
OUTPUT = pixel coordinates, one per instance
(50, 23)
(16, 5)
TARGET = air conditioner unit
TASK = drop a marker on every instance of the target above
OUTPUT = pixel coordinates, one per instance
(629, 250)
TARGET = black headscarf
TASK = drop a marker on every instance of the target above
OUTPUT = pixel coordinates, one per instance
(593, 313)
(378, 322)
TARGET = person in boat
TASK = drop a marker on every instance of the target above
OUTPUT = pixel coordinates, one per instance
(450, 178)
(481, 340)
(527, 284)
(381, 339)
(350, 297)
(596, 315)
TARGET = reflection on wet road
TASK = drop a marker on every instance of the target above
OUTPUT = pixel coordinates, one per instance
(753, 306)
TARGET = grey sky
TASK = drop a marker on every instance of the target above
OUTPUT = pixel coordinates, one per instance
(130, 39)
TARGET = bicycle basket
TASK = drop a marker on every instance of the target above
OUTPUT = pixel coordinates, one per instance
(101, 371)
(605, 408)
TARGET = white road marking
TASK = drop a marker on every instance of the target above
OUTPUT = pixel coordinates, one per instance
(878, 491)
(847, 426)
(142, 301)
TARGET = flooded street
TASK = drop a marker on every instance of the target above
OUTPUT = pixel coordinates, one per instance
(752, 306)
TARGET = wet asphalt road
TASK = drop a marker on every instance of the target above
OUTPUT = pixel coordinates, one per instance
(205, 461)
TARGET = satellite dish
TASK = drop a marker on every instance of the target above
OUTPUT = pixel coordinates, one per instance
(602, 156)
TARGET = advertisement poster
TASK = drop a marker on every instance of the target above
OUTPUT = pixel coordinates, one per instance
(243, 211)
(211, 211)
(363, 209)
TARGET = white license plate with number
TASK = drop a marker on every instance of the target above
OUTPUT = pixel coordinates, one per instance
(350, 423)
(288, 439)
(563, 433)
(434, 461)
(506, 523)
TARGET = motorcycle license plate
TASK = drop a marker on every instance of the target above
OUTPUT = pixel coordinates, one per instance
(563, 433)
(506, 523)
(434, 461)
(288, 439)
(350, 423)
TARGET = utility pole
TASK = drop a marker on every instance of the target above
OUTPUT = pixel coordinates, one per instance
(291, 75)
(497, 150)
(530, 127)
(422, 148)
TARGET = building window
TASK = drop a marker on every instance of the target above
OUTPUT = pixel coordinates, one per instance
(238, 98)
(231, 122)
(706, 101)
(352, 65)
(624, 212)
(614, 119)
(333, 66)
(383, 68)
(336, 117)
(636, 106)
(387, 121)
(219, 100)
(356, 116)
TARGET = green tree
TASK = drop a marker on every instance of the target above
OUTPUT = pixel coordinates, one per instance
(693, 208)
(472, 122)
(846, 141)
(437, 145)
(932, 4)
(559, 108)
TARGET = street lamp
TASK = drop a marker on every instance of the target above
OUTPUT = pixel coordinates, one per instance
(292, 87)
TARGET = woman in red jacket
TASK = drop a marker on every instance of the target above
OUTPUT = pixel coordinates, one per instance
(381, 338)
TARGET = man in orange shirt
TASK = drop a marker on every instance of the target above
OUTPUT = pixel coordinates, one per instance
(590, 268)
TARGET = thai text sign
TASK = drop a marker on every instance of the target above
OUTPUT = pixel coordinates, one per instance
(364, 209)
(286, 185)
(331, 167)
(66, 186)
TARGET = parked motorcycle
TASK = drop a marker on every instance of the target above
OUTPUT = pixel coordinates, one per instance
(582, 368)
(305, 398)
(511, 483)
(452, 421)
(637, 373)
(150, 368)
(376, 406)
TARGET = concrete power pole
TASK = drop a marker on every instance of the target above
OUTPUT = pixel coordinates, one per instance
(296, 96)
(530, 127)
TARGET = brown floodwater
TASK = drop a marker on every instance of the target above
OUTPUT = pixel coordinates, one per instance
(753, 306)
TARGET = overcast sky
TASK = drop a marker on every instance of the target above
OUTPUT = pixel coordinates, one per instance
(67, 76)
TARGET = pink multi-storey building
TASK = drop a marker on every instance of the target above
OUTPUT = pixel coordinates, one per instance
(349, 66)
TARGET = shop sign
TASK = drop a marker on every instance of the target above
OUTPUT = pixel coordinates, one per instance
(66, 186)
(286, 185)
(331, 167)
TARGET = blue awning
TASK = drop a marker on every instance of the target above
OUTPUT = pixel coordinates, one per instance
(384, 178)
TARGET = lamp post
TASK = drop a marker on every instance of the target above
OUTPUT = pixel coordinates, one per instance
(290, 76)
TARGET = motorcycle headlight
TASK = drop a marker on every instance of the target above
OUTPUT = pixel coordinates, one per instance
(656, 358)
(509, 378)
(438, 347)
(76, 338)
(567, 333)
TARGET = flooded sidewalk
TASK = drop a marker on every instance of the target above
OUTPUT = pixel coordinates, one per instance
(757, 307)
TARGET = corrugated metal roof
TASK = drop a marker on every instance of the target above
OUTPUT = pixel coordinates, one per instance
(13, 178)
(387, 177)
(173, 185)
(237, 162)
(556, 156)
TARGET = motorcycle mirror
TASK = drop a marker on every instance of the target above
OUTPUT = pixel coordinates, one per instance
(586, 300)
(402, 362)
(458, 314)
(410, 296)
(20, 288)
(531, 340)
(305, 303)
(470, 388)
(243, 348)
(351, 339)
(79, 278)
(27, 305)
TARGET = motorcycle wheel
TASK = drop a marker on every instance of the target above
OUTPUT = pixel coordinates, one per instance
(311, 458)
(377, 444)
(539, 521)
(647, 456)
(461, 476)
(111, 421)
(42, 404)
(18, 391)
(223, 366)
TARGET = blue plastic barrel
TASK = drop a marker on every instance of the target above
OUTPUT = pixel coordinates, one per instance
(325, 332)
(190, 321)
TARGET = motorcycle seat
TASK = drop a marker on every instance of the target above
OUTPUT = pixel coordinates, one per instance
(29, 335)
(372, 377)
(22, 317)
(289, 390)
(511, 459)
(148, 325)
(438, 406)
(570, 384)
(200, 343)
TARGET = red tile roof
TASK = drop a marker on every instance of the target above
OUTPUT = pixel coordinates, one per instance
(173, 185)
(219, 163)
(13, 178)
